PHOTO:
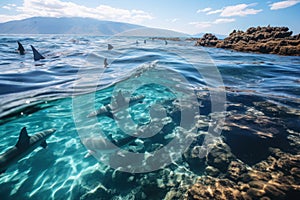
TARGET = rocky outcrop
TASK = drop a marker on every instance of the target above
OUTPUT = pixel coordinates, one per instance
(208, 40)
(277, 177)
(274, 40)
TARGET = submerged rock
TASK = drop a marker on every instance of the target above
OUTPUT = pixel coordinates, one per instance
(235, 170)
(212, 188)
(212, 171)
(277, 180)
(220, 156)
(274, 40)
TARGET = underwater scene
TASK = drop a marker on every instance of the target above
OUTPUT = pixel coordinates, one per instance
(141, 118)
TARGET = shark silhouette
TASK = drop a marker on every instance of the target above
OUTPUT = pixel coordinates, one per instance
(36, 55)
(96, 144)
(120, 102)
(21, 49)
(110, 47)
(25, 145)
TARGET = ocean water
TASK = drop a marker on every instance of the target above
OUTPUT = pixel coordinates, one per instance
(187, 91)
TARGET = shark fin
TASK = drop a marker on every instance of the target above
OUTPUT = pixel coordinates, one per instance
(23, 138)
(110, 47)
(36, 55)
(44, 144)
(21, 48)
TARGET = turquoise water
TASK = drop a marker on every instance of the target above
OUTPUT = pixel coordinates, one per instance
(60, 91)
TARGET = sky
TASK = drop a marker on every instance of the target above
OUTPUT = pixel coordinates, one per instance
(189, 16)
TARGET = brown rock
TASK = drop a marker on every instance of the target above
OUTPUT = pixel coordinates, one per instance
(235, 170)
(214, 189)
(274, 40)
(274, 192)
(212, 171)
(277, 177)
(265, 198)
(257, 184)
(255, 193)
(255, 175)
(219, 157)
(295, 172)
(208, 39)
(282, 34)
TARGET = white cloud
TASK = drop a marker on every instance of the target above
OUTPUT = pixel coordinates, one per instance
(204, 10)
(6, 7)
(172, 20)
(239, 10)
(283, 4)
(9, 6)
(214, 11)
(236, 10)
(211, 23)
(223, 20)
(58, 8)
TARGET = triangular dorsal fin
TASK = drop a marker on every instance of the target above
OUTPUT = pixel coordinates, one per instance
(23, 139)
(110, 47)
(21, 48)
(36, 55)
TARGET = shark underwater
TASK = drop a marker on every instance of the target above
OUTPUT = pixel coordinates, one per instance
(25, 145)
(96, 144)
(119, 103)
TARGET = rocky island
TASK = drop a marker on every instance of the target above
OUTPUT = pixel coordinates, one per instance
(273, 40)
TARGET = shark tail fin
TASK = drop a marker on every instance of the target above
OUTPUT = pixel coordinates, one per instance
(21, 48)
(23, 138)
(36, 55)
(44, 144)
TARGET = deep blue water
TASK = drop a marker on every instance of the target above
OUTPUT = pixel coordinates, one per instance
(60, 91)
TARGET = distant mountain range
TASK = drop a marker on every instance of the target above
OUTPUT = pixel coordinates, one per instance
(64, 25)
(85, 26)
(78, 25)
